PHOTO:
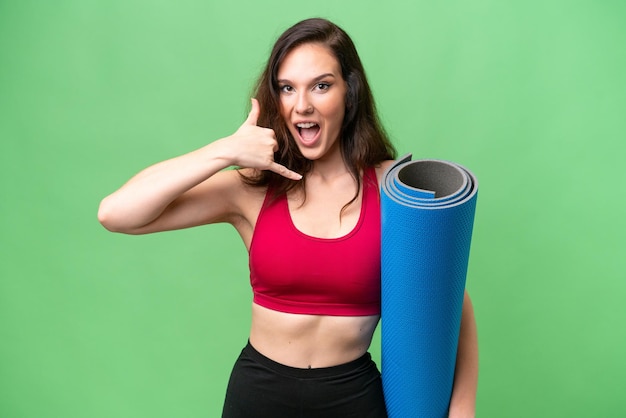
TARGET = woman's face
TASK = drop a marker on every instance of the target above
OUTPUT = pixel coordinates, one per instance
(312, 97)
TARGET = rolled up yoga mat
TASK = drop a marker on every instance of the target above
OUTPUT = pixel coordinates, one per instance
(427, 217)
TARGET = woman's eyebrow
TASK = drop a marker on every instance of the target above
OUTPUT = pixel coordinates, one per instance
(315, 80)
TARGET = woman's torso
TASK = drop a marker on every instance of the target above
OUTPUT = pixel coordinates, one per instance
(312, 340)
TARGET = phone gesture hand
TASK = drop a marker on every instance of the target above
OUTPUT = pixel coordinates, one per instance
(257, 146)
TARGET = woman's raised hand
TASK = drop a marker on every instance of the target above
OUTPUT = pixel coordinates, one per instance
(255, 146)
(173, 194)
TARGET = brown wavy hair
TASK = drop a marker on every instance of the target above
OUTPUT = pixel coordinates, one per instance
(363, 140)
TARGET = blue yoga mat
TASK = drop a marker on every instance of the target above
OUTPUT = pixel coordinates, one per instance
(427, 217)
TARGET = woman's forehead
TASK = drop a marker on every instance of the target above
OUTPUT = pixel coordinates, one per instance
(308, 60)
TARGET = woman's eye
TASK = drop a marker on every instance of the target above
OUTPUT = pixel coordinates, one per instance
(286, 89)
(322, 86)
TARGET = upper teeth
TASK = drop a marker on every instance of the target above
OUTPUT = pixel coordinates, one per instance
(306, 125)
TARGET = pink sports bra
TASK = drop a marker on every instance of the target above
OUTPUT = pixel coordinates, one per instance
(297, 273)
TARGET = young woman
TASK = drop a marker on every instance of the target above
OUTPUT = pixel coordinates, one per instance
(305, 202)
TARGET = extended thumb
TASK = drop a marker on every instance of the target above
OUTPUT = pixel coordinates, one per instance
(253, 116)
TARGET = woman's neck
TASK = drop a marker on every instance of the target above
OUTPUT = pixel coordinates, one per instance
(330, 167)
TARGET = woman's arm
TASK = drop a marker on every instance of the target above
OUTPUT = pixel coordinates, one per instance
(463, 401)
(191, 189)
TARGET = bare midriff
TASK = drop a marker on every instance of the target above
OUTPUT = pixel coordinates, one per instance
(310, 341)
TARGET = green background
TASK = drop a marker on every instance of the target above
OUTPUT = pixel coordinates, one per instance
(529, 95)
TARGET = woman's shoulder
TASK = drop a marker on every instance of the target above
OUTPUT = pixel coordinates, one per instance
(246, 200)
(245, 185)
(230, 195)
(381, 168)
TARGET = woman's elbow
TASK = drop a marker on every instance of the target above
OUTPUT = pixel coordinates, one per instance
(108, 218)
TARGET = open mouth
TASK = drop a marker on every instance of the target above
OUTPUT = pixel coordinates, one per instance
(308, 131)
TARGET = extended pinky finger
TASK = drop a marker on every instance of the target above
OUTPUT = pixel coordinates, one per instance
(285, 172)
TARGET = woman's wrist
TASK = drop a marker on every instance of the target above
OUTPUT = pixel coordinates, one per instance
(219, 153)
(462, 411)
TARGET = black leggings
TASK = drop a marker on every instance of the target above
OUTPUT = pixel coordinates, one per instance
(260, 387)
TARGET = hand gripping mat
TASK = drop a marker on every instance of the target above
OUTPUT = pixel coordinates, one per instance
(427, 216)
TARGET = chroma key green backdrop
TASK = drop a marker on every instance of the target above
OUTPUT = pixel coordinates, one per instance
(530, 95)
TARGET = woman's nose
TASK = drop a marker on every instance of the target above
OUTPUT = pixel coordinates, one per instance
(303, 105)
